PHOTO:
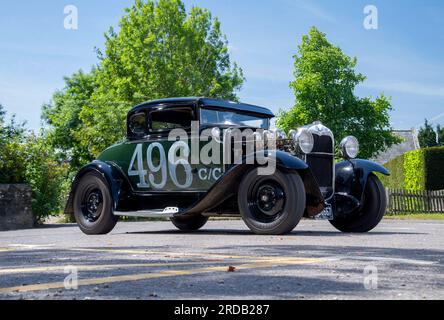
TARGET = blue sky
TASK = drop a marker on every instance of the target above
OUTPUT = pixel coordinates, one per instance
(403, 58)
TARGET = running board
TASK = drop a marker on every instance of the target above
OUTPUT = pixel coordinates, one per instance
(161, 213)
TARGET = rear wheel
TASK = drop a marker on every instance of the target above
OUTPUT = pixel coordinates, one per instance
(93, 205)
(192, 223)
(372, 212)
(271, 204)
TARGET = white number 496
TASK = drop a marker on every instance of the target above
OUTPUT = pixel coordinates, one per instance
(136, 167)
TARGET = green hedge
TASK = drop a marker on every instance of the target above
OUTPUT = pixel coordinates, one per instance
(417, 170)
(396, 179)
(435, 175)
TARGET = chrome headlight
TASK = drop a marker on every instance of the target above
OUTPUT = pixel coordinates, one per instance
(349, 147)
(303, 140)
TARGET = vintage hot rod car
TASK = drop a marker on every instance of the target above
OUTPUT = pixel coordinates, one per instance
(151, 175)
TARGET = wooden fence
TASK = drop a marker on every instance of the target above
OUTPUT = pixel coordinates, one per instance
(412, 201)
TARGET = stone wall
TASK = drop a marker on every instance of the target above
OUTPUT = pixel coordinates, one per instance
(15, 207)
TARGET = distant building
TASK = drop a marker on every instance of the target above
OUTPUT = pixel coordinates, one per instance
(410, 143)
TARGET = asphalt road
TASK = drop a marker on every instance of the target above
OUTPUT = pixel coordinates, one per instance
(151, 260)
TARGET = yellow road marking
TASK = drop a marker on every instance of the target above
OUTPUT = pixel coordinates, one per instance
(167, 273)
(164, 253)
(6, 250)
(96, 267)
(23, 247)
(177, 254)
(31, 246)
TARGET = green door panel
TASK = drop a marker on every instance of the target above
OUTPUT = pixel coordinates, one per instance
(151, 166)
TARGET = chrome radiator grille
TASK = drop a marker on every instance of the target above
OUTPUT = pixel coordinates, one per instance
(321, 160)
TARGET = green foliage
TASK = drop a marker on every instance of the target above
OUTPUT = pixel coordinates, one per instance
(47, 177)
(427, 136)
(434, 162)
(12, 136)
(30, 159)
(325, 80)
(417, 170)
(440, 135)
(397, 177)
(158, 51)
(414, 168)
(63, 116)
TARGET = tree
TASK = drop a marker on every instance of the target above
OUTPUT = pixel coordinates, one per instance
(12, 136)
(440, 135)
(63, 117)
(46, 174)
(159, 51)
(324, 85)
(11, 130)
(427, 136)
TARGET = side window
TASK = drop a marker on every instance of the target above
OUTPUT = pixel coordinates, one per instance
(137, 124)
(208, 116)
(173, 118)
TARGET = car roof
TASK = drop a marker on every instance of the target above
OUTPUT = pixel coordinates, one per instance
(207, 102)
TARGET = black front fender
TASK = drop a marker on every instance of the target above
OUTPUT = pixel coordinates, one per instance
(112, 176)
(351, 179)
(227, 186)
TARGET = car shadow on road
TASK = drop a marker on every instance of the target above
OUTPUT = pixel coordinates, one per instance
(56, 226)
(296, 233)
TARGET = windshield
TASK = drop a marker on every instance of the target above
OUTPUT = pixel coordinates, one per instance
(218, 117)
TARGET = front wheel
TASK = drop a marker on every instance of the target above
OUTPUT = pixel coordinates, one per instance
(93, 205)
(271, 204)
(371, 213)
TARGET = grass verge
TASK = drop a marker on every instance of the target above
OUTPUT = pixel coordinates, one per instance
(419, 216)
